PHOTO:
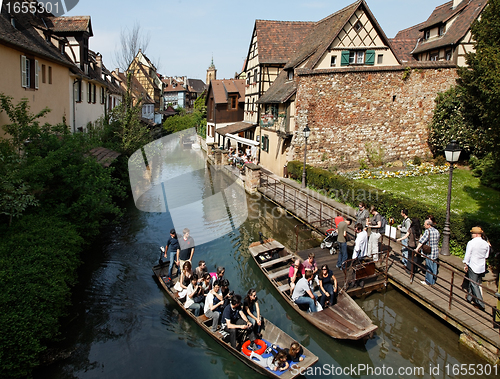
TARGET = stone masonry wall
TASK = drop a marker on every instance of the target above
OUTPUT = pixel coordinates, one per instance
(351, 113)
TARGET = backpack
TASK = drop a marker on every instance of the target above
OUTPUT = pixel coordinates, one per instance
(383, 224)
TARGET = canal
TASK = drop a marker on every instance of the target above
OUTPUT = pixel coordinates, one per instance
(123, 325)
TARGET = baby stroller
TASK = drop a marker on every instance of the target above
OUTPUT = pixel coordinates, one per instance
(330, 241)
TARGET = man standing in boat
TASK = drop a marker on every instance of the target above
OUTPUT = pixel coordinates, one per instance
(233, 318)
(186, 252)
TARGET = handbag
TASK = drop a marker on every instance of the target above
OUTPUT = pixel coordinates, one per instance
(426, 249)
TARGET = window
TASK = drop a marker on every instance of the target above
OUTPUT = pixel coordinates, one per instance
(103, 95)
(44, 79)
(50, 74)
(290, 75)
(441, 30)
(94, 93)
(29, 72)
(265, 143)
(78, 91)
(255, 76)
(448, 55)
(356, 57)
(233, 102)
(427, 34)
(358, 26)
(89, 92)
(434, 56)
(380, 59)
(333, 61)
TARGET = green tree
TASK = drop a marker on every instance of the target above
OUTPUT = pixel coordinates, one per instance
(480, 80)
(126, 125)
(24, 126)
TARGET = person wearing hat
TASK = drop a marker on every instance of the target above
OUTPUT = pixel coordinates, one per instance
(172, 250)
(475, 265)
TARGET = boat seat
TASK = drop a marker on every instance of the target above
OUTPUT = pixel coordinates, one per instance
(275, 261)
(203, 318)
(284, 287)
(278, 274)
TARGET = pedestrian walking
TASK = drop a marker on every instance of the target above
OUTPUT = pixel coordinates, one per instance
(475, 265)
(431, 238)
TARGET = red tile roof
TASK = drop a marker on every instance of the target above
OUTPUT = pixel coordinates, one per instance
(222, 88)
(405, 41)
(277, 40)
(71, 24)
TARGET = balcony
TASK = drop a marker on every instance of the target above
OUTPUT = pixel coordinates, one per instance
(280, 124)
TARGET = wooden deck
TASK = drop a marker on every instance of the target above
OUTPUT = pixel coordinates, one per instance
(446, 299)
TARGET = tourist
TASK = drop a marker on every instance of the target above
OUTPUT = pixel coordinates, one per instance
(361, 244)
(207, 282)
(430, 237)
(413, 235)
(475, 265)
(213, 304)
(226, 294)
(310, 263)
(342, 240)
(362, 214)
(295, 272)
(252, 310)
(302, 293)
(195, 296)
(403, 228)
(184, 280)
(274, 363)
(294, 352)
(375, 226)
(172, 249)
(186, 248)
(327, 286)
(234, 319)
(201, 270)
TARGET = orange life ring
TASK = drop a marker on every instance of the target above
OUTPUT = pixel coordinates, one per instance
(246, 351)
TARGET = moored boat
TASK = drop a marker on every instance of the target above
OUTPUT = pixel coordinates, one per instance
(343, 320)
(271, 334)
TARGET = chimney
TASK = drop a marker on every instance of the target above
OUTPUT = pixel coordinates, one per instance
(98, 59)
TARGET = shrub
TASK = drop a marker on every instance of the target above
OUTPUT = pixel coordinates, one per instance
(440, 160)
(417, 161)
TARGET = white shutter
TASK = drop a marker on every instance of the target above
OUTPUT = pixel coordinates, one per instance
(37, 68)
(24, 82)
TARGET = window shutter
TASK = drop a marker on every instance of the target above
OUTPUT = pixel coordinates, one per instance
(24, 81)
(344, 59)
(370, 57)
(37, 68)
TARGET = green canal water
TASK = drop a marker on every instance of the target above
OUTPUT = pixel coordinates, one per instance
(123, 325)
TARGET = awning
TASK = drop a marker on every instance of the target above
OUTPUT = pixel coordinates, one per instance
(244, 141)
(235, 128)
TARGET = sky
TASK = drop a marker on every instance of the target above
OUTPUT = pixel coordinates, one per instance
(185, 34)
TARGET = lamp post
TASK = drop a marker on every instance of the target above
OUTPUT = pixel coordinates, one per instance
(452, 153)
(306, 133)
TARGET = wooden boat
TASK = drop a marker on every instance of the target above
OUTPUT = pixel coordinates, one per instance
(270, 334)
(344, 320)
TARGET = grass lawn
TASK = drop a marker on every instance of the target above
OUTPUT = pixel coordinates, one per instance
(467, 195)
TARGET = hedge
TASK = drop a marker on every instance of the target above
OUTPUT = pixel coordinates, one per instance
(388, 204)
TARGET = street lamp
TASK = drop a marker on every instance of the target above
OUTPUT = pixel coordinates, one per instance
(452, 153)
(306, 133)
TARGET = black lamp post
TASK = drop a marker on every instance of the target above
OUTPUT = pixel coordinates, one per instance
(306, 133)
(452, 153)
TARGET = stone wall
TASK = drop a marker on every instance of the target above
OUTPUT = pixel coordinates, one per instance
(351, 113)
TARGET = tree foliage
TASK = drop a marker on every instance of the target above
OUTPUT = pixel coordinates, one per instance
(480, 80)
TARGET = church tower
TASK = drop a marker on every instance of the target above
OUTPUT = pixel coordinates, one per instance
(211, 73)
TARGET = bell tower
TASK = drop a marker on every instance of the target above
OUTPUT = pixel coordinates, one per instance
(211, 73)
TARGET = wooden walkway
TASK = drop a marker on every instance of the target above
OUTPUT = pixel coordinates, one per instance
(446, 299)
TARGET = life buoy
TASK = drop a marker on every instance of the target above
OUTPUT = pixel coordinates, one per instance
(262, 347)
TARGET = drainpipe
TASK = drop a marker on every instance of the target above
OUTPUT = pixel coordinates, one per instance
(74, 106)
